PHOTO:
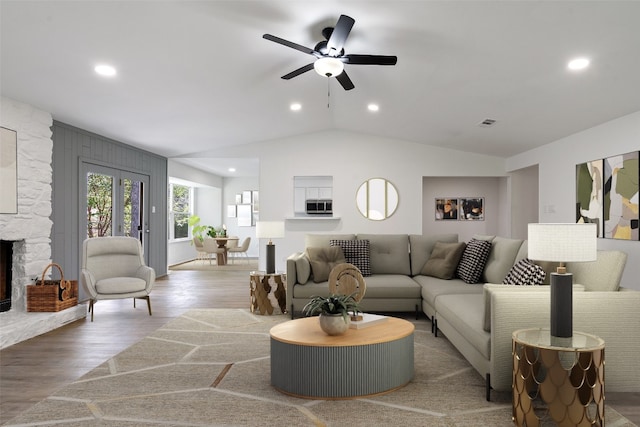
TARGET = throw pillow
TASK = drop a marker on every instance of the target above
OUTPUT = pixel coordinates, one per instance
(323, 260)
(357, 253)
(525, 272)
(443, 260)
(473, 260)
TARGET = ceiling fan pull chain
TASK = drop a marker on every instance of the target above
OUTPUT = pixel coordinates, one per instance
(328, 92)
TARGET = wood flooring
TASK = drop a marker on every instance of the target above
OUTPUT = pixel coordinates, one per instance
(34, 369)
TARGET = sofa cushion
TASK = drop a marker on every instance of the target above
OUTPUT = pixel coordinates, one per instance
(318, 240)
(465, 314)
(525, 273)
(391, 286)
(357, 253)
(501, 259)
(432, 288)
(380, 286)
(603, 275)
(422, 246)
(473, 260)
(444, 260)
(389, 253)
(323, 260)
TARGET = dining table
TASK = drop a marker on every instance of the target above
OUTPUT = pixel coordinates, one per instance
(222, 243)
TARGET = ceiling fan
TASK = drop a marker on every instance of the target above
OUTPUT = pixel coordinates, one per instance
(330, 54)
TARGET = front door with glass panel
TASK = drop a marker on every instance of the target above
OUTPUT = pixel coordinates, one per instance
(115, 204)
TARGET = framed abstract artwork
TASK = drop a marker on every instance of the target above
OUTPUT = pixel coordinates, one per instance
(246, 197)
(471, 209)
(244, 215)
(621, 190)
(589, 194)
(446, 209)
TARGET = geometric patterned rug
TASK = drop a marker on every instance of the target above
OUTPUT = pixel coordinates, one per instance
(211, 367)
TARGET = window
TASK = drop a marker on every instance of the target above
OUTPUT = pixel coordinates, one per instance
(180, 209)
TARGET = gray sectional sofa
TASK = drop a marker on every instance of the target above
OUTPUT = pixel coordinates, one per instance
(478, 319)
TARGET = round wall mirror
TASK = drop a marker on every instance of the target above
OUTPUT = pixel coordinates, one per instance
(377, 199)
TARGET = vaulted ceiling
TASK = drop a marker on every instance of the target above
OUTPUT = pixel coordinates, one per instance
(195, 76)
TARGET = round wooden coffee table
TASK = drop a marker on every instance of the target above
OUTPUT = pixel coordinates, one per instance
(306, 362)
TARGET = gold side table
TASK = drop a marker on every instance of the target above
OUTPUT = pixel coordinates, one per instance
(557, 381)
(260, 284)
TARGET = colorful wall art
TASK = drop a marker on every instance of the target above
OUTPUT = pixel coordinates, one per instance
(621, 192)
(589, 195)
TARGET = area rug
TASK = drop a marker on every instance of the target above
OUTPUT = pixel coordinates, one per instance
(212, 368)
(238, 265)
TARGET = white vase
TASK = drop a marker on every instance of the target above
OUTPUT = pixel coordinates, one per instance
(334, 324)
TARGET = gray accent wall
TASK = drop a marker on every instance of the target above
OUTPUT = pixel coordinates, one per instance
(72, 146)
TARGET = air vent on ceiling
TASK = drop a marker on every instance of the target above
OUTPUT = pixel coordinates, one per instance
(487, 123)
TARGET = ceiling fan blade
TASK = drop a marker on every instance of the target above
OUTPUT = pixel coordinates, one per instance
(299, 71)
(345, 81)
(289, 44)
(339, 35)
(370, 59)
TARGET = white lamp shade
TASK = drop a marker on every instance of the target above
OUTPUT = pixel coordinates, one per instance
(563, 242)
(328, 66)
(270, 229)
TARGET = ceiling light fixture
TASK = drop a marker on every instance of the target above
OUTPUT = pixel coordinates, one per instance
(232, 169)
(328, 66)
(295, 106)
(578, 64)
(105, 70)
(373, 107)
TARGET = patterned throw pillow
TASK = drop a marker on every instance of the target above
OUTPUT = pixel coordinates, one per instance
(357, 253)
(524, 273)
(473, 260)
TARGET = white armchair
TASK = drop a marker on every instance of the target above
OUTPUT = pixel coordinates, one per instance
(113, 268)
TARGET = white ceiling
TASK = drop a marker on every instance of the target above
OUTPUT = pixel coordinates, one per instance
(194, 77)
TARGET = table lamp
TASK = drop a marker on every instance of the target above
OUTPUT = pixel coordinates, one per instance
(270, 230)
(562, 243)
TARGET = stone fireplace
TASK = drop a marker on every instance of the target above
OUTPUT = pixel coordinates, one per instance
(27, 233)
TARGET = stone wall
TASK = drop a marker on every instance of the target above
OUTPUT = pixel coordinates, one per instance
(30, 228)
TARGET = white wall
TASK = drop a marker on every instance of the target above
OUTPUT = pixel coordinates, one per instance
(233, 186)
(524, 203)
(208, 206)
(351, 158)
(557, 163)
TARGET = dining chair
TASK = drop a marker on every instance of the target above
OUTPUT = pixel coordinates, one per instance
(242, 249)
(210, 246)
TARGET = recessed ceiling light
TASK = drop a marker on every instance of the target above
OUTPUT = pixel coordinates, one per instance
(295, 106)
(105, 70)
(578, 64)
(373, 107)
(232, 169)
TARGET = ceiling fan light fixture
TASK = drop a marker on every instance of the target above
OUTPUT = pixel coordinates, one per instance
(328, 66)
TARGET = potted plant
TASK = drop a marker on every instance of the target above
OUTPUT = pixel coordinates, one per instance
(196, 229)
(334, 312)
(211, 231)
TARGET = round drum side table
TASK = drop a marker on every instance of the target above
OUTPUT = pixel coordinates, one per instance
(557, 380)
(260, 284)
